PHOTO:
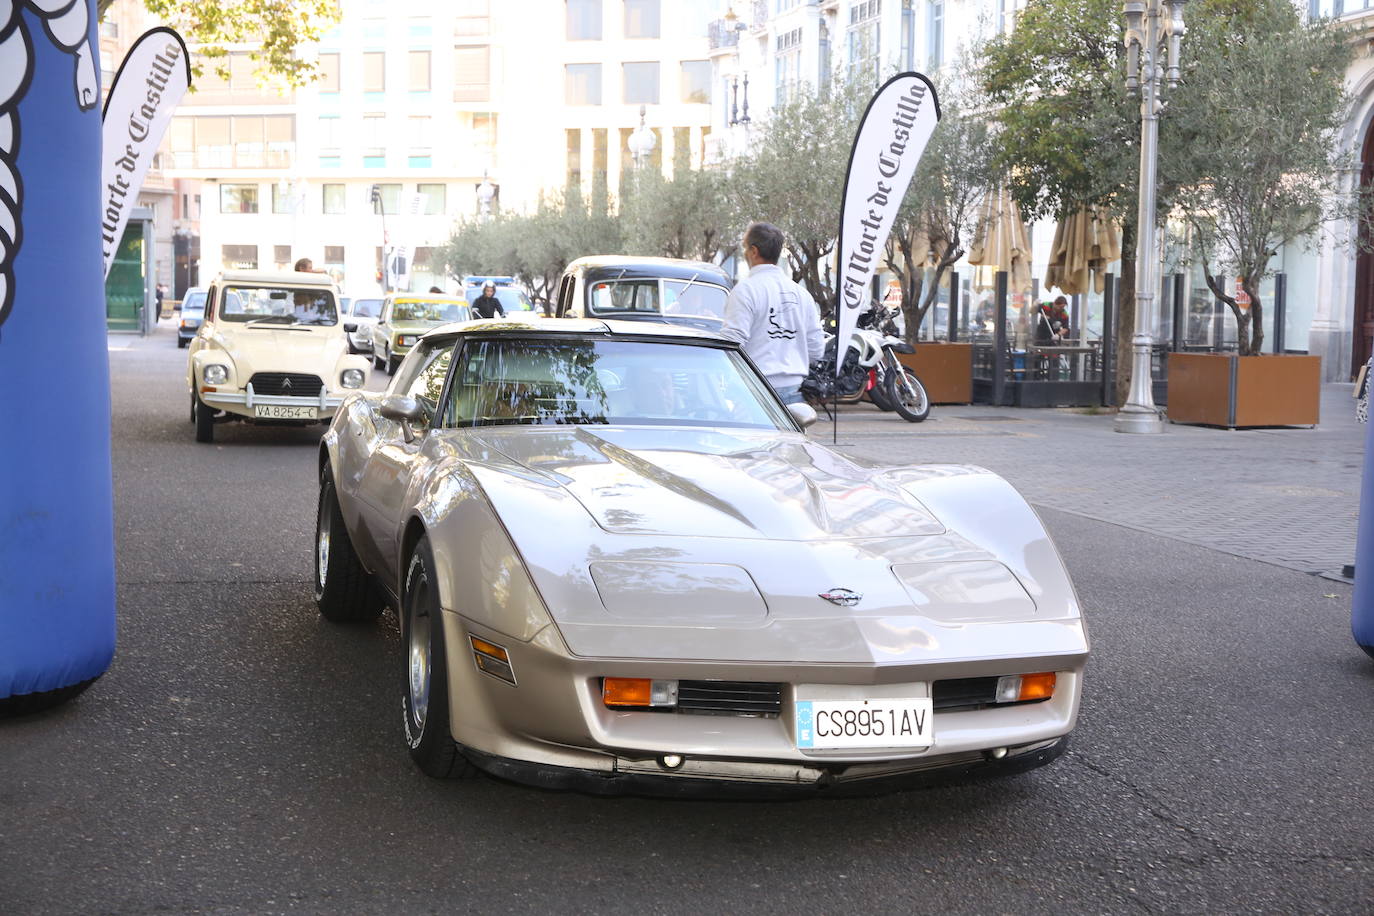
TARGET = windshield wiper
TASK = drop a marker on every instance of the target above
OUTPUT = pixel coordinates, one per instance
(272, 319)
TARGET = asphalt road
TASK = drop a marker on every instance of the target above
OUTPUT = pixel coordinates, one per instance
(243, 756)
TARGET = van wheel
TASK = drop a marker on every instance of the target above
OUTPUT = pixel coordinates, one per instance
(205, 420)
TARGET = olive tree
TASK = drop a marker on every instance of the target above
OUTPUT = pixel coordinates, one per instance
(686, 216)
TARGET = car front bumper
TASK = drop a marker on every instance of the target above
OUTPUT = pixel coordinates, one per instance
(245, 403)
(551, 728)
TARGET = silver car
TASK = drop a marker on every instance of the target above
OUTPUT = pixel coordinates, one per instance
(621, 566)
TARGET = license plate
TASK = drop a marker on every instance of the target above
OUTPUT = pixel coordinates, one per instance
(906, 722)
(284, 412)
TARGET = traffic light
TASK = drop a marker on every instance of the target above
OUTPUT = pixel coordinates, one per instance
(376, 196)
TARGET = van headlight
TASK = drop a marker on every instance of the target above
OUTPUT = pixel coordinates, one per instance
(215, 374)
(351, 378)
(406, 340)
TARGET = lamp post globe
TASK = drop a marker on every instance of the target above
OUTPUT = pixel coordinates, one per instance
(642, 142)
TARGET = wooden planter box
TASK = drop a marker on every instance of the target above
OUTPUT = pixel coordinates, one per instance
(1223, 389)
(945, 369)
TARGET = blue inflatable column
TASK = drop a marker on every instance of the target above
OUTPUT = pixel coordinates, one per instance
(1362, 602)
(57, 593)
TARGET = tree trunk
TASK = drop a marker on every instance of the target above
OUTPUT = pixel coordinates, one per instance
(1125, 326)
(1252, 347)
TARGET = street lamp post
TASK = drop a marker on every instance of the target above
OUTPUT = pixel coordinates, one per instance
(642, 142)
(486, 194)
(1154, 32)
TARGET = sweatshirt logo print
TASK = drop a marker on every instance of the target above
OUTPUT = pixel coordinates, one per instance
(776, 329)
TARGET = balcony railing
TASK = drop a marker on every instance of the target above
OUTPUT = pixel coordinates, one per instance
(722, 33)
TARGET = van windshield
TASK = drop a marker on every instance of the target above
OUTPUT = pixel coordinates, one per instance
(279, 305)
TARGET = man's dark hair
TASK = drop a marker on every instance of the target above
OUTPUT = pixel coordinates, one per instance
(304, 265)
(435, 289)
(767, 238)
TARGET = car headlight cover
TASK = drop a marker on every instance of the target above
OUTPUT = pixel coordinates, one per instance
(215, 374)
(351, 378)
(406, 340)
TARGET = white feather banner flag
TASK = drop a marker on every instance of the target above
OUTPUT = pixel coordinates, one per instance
(892, 135)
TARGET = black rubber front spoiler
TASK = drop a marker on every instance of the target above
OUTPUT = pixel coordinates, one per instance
(832, 784)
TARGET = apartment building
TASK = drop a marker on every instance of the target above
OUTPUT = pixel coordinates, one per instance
(449, 109)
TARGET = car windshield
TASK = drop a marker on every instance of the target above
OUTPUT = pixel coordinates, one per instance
(366, 308)
(194, 302)
(279, 305)
(429, 310)
(511, 299)
(593, 381)
(684, 298)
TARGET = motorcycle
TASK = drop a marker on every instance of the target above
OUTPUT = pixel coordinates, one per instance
(870, 368)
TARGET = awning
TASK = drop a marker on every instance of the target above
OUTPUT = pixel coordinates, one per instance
(1001, 242)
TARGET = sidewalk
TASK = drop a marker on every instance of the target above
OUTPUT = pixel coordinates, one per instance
(1284, 496)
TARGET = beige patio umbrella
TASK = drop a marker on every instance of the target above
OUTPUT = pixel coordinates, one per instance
(1001, 242)
(1085, 244)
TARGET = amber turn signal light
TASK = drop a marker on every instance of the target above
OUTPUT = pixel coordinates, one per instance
(620, 692)
(1018, 688)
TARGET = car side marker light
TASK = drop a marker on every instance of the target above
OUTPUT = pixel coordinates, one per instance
(642, 692)
(1017, 688)
(492, 659)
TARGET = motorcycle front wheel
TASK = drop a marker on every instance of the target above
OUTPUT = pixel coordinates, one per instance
(908, 395)
(878, 393)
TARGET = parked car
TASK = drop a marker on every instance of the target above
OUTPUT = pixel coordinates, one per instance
(363, 312)
(621, 566)
(272, 349)
(192, 314)
(404, 317)
(688, 293)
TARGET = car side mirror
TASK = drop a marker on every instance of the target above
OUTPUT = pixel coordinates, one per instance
(803, 413)
(404, 411)
(350, 327)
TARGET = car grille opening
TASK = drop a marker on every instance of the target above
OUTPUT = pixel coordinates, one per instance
(964, 692)
(291, 384)
(729, 698)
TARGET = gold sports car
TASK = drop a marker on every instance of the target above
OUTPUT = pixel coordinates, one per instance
(620, 565)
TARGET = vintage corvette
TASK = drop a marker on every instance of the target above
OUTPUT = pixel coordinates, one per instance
(621, 566)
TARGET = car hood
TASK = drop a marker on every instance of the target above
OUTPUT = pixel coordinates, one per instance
(687, 543)
(712, 483)
(267, 349)
(418, 326)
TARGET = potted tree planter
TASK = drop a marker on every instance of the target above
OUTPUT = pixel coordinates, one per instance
(945, 369)
(1234, 391)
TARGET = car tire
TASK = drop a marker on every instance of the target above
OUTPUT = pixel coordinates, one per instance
(181, 343)
(425, 704)
(344, 591)
(911, 407)
(205, 420)
(376, 359)
(391, 363)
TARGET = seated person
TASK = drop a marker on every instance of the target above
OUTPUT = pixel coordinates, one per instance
(651, 392)
(1052, 322)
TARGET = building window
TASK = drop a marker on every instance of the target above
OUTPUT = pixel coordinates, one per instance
(584, 20)
(935, 34)
(471, 74)
(483, 136)
(374, 135)
(238, 198)
(329, 72)
(419, 71)
(374, 71)
(641, 83)
(582, 84)
(334, 200)
(786, 64)
(419, 132)
(864, 35)
(329, 133)
(436, 198)
(696, 81)
(109, 29)
(390, 199)
(281, 256)
(283, 201)
(574, 172)
(239, 257)
(241, 141)
(641, 18)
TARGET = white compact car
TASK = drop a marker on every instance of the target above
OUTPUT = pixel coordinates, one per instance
(362, 311)
(272, 349)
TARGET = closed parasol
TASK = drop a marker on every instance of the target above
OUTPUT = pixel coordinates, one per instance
(1085, 244)
(1001, 241)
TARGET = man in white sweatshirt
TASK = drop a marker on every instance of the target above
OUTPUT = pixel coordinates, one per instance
(775, 319)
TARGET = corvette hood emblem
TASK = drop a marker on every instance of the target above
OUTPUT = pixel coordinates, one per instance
(842, 596)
